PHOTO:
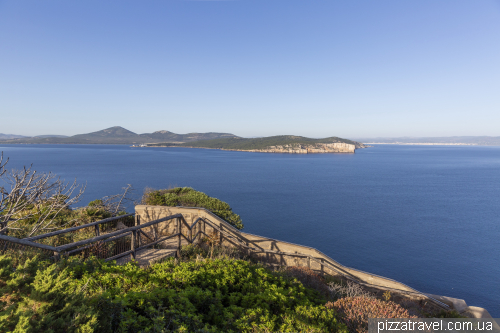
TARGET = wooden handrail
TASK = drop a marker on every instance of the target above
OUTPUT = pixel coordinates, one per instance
(326, 262)
(63, 231)
(231, 234)
(111, 234)
(27, 242)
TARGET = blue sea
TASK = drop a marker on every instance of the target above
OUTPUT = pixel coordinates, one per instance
(428, 216)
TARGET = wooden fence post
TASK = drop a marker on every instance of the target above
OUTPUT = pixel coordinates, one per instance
(138, 222)
(132, 244)
(97, 230)
(179, 239)
(220, 233)
(191, 235)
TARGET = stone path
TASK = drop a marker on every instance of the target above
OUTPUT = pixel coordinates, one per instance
(145, 256)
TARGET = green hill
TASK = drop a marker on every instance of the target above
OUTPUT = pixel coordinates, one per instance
(120, 135)
(259, 143)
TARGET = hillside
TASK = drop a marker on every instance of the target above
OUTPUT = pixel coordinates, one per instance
(164, 136)
(119, 135)
(11, 136)
(260, 143)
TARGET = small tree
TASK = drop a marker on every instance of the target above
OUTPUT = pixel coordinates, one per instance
(31, 201)
(188, 197)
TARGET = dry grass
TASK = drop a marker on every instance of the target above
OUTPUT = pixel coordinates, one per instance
(355, 311)
(348, 289)
(308, 277)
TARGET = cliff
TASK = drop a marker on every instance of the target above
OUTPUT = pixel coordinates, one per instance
(297, 148)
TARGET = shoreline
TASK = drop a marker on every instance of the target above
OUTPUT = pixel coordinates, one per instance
(325, 149)
(246, 151)
(423, 144)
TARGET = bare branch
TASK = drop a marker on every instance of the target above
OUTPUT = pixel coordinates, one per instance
(114, 203)
(33, 200)
(2, 165)
(119, 205)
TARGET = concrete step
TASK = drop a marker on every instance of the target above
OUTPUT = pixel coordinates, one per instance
(146, 257)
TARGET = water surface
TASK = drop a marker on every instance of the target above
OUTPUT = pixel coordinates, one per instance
(428, 216)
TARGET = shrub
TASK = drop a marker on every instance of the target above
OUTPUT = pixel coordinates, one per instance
(308, 278)
(347, 289)
(355, 311)
(188, 197)
(219, 295)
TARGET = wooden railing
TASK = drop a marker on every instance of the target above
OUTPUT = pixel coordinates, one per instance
(225, 232)
(135, 232)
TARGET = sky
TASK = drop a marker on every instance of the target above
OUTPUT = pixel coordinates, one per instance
(352, 69)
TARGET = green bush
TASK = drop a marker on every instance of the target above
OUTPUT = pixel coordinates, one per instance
(219, 295)
(188, 197)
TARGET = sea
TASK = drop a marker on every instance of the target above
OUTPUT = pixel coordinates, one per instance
(427, 216)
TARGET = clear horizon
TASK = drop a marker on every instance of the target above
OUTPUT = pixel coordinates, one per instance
(252, 68)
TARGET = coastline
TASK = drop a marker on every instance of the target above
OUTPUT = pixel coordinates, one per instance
(324, 149)
(423, 144)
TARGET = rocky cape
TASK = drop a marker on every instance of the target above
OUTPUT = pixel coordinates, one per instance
(318, 148)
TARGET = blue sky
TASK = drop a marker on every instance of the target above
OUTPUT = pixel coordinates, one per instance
(253, 68)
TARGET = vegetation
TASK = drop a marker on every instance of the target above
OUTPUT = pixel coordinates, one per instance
(355, 311)
(186, 196)
(32, 202)
(218, 295)
(258, 143)
(120, 135)
(210, 288)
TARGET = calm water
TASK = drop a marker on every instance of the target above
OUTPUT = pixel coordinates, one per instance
(428, 216)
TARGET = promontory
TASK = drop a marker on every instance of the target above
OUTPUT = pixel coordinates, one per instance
(274, 144)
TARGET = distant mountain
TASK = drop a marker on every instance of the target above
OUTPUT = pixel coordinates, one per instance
(11, 136)
(467, 140)
(120, 135)
(110, 135)
(166, 136)
(237, 143)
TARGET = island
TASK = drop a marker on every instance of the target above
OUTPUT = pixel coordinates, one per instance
(290, 144)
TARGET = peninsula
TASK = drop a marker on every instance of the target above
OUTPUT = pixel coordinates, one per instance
(273, 144)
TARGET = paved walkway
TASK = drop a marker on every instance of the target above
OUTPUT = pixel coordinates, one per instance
(145, 256)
